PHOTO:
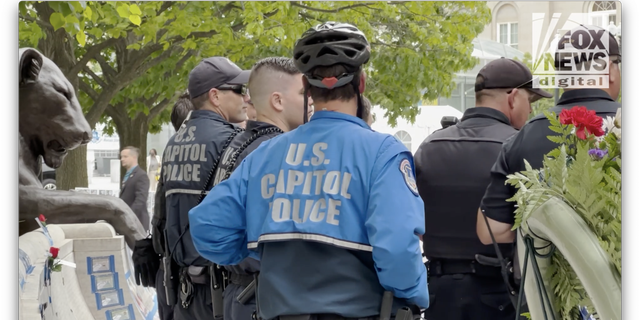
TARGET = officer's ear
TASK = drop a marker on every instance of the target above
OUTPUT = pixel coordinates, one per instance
(511, 98)
(214, 98)
(362, 85)
(275, 99)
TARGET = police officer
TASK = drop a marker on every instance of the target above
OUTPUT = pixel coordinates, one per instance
(452, 172)
(278, 108)
(334, 213)
(531, 142)
(217, 88)
(179, 114)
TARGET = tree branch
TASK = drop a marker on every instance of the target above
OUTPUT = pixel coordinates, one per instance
(118, 115)
(40, 22)
(91, 53)
(150, 101)
(100, 103)
(364, 4)
(95, 77)
(165, 5)
(155, 111)
(108, 72)
(184, 59)
(88, 90)
(142, 68)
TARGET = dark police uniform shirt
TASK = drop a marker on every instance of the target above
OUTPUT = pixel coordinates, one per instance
(531, 143)
(452, 171)
(188, 159)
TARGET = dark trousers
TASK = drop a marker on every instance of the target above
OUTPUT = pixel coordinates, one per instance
(200, 308)
(164, 310)
(468, 297)
(234, 310)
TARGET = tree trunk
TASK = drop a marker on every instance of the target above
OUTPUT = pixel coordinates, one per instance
(73, 171)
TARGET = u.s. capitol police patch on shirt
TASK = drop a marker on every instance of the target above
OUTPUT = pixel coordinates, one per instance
(409, 179)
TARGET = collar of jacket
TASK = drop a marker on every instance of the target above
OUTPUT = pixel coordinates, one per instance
(258, 125)
(207, 114)
(485, 112)
(582, 95)
(320, 115)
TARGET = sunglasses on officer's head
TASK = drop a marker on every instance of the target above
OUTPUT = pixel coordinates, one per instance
(240, 89)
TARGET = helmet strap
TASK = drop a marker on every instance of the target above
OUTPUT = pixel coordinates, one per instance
(306, 106)
(356, 88)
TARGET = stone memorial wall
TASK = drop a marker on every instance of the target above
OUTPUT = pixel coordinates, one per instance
(95, 280)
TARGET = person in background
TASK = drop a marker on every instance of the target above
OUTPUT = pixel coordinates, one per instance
(135, 185)
(153, 167)
(252, 114)
(367, 113)
(181, 110)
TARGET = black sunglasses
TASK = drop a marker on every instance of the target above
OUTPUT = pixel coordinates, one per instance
(240, 89)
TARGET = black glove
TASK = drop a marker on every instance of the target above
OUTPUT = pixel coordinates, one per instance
(146, 263)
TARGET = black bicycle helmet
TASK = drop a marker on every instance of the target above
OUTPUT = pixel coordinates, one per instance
(331, 43)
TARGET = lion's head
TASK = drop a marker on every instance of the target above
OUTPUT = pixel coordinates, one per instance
(50, 118)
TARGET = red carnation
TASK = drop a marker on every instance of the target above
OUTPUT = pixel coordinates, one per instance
(583, 119)
(42, 218)
(54, 252)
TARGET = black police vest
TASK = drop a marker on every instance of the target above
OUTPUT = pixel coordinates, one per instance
(238, 145)
(188, 167)
(453, 171)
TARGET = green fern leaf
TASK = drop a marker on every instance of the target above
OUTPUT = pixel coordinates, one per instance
(556, 139)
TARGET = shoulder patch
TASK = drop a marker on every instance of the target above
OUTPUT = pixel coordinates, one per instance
(409, 179)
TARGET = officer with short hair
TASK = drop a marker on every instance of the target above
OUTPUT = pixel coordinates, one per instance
(278, 108)
(331, 208)
(452, 171)
(217, 88)
(531, 143)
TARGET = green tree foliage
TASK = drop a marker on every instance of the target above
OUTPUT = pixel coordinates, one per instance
(130, 58)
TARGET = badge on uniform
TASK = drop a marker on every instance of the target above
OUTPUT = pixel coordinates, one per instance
(409, 179)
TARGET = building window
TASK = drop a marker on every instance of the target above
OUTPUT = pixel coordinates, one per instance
(508, 34)
(603, 13)
(114, 154)
(404, 137)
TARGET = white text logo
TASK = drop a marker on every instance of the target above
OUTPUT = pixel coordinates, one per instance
(568, 52)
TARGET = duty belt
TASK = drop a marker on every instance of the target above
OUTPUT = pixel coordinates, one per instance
(322, 317)
(242, 280)
(440, 267)
(405, 313)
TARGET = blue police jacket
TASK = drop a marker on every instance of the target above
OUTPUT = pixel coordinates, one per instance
(332, 182)
(187, 161)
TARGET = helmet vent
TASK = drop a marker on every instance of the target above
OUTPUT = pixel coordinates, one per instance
(326, 51)
(350, 53)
